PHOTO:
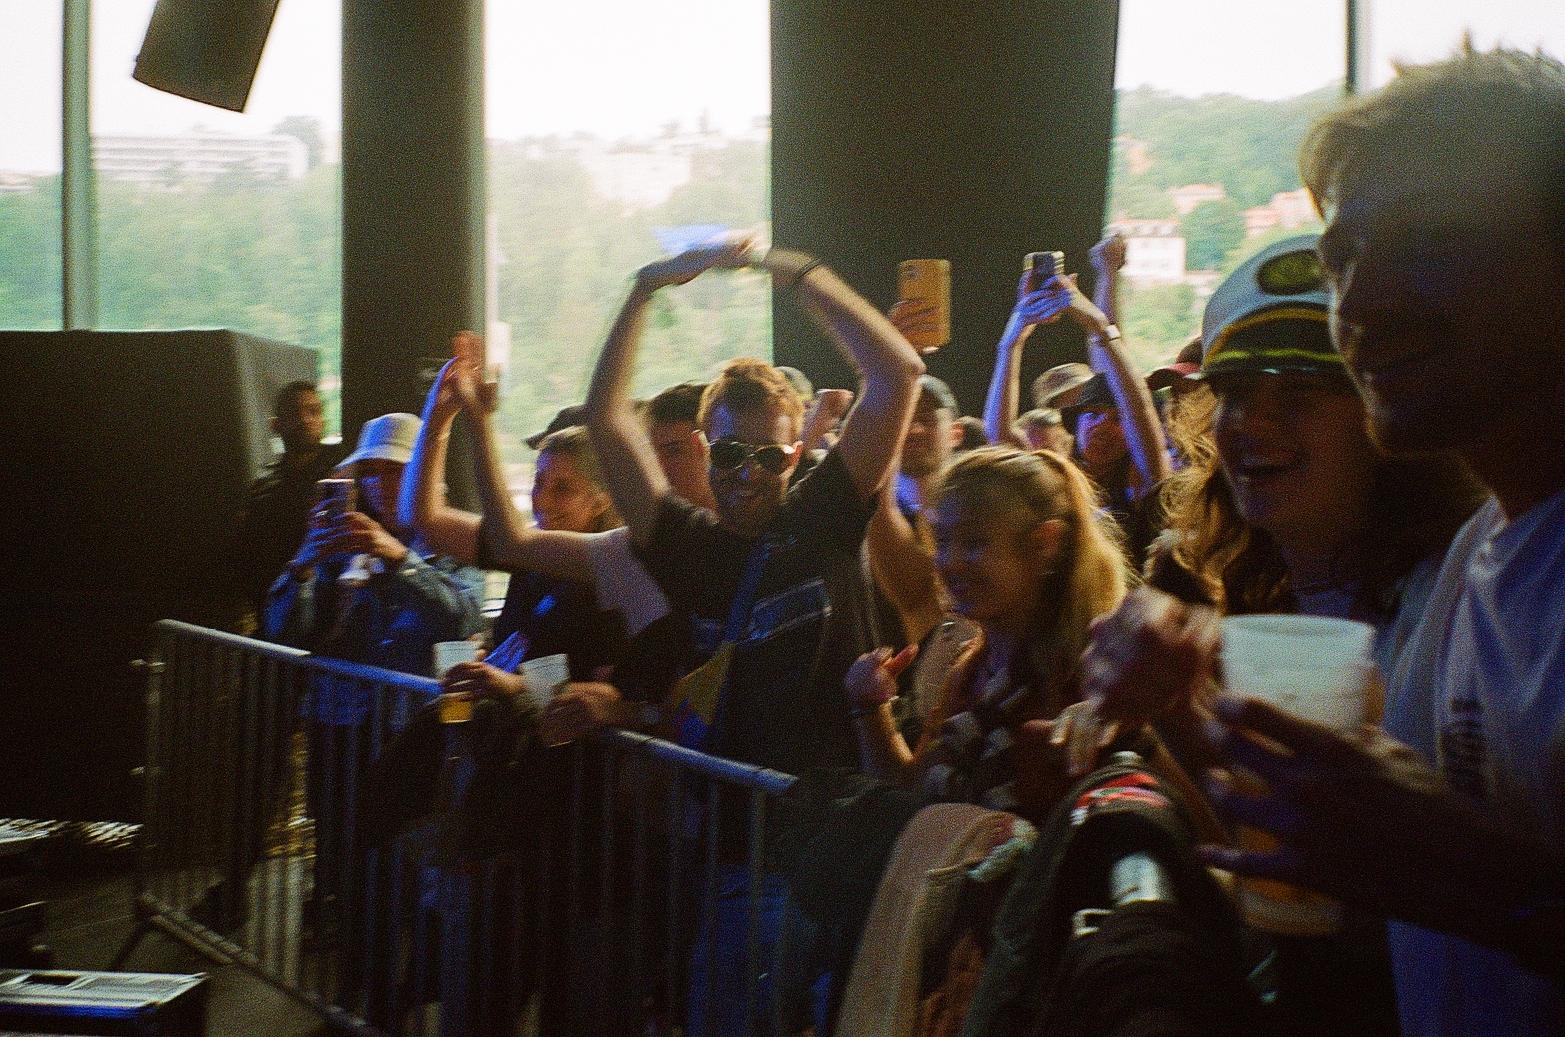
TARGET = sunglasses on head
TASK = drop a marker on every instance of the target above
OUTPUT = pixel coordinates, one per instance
(730, 455)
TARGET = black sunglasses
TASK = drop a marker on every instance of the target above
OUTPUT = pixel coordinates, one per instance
(730, 455)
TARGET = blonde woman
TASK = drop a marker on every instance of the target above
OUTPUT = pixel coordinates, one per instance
(1023, 555)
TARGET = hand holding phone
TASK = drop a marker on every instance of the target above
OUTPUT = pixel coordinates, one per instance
(1043, 266)
(925, 285)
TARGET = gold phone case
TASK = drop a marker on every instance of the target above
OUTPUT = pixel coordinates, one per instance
(928, 281)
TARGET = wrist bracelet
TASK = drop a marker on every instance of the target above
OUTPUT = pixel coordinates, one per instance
(864, 711)
(798, 279)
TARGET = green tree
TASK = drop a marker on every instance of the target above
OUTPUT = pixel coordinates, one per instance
(1212, 230)
(30, 243)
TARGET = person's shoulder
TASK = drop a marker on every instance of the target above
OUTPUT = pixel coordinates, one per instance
(827, 485)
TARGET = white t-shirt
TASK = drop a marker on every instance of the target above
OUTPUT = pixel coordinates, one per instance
(620, 581)
(1490, 650)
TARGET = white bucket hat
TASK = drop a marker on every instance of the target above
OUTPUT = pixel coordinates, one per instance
(389, 437)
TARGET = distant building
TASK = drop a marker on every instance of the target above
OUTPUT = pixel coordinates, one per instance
(1154, 251)
(642, 174)
(1191, 195)
(197, 157)
(17, 183)
(1287, 209)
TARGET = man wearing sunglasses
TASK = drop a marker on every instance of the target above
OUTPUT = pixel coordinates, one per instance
(782, 705)
(777, 573)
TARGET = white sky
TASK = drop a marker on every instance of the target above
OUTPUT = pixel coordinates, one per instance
(626, 67)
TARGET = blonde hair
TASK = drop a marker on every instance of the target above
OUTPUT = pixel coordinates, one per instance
(748, 384)
(1090, 574)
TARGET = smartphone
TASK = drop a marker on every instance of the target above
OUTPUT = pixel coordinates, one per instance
(1043, 266)
(928, 282)
(335, 497)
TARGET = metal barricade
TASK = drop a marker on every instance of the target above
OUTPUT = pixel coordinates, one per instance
(623, 887)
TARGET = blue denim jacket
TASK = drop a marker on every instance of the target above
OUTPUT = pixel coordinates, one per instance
(392, 620)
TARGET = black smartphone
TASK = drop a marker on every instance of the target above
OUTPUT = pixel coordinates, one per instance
(1043, 266)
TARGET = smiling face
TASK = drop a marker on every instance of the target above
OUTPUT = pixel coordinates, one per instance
(1447, 301)
(748, 497)
(993, 560)
(1295, 454)
(563, 498)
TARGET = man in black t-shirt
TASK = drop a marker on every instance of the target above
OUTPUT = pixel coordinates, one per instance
(789, 555)
(790, 558)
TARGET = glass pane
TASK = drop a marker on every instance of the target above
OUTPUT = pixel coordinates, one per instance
(30, 50)
(1213, 100)
(209, 218)
(1426, 30)
(613, 132)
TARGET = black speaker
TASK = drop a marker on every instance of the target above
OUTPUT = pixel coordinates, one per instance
(126, 458)
(206, 50)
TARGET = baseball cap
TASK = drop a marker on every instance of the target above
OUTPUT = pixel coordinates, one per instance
(1095, 395)
(565, 418)
(1052, 387)
(939, 391)
(1170, 374)
(389, 437)
(1269, 316)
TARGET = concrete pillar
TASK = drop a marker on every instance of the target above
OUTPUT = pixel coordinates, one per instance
(970, 130)
(412, 195)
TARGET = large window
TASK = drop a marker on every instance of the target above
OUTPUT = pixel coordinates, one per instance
(617, 132)
(1427, 30)
(1214, 97)
(30, 166)
(210, 218)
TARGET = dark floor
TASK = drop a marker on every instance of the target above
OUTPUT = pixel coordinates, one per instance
(90, 918)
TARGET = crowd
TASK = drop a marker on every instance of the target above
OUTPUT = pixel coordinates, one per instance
(842, 582)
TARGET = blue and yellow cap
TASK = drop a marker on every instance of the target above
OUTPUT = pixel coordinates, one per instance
(1269, 316)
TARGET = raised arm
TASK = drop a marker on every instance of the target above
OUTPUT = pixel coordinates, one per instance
(510, 542)
(1042, 305)
(423, 505)
(630, 466)
(1106, 355)
(889, 365)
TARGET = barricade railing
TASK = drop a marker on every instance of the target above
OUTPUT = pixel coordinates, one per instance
(459, 886)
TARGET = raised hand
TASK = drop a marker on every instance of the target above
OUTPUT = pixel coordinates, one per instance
(872, 679)
(1150, 657)
(1044, 304)
(464, 375)
(729, 252)
(915, 319)
(1108, 255)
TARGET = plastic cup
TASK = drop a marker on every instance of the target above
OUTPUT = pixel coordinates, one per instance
(449, 653)
(544, 677)
(454, 709)
(1316, 668)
